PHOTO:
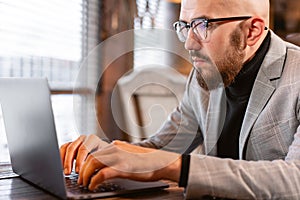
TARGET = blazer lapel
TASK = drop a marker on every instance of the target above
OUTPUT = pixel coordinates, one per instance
(263, 87)
(214, 119)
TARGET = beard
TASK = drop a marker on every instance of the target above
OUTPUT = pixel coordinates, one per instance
(225, 68)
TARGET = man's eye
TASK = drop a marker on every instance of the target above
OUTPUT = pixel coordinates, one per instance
(200, 26)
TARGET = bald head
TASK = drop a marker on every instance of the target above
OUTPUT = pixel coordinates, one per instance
(259, 8)
(229, 8)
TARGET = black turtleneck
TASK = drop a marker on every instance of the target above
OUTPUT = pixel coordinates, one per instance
(238, 94)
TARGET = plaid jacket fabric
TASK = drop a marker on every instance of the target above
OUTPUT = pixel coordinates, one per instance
(269, 144)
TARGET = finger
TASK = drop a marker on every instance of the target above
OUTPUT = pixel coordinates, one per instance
(70, 154)
(82, 154)
(90, 144)
(62, 151)
(89, 168)
(102, 175)
(84, 166)
(109, 173)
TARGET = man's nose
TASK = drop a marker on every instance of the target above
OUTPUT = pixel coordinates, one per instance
(192, 42)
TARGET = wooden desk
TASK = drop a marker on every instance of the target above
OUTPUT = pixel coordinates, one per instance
(16, 188)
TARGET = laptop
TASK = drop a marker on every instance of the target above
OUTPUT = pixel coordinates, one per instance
(32, 142)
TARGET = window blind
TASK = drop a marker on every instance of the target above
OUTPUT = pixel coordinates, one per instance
(149, 16)
(51, 39)
(42, 39)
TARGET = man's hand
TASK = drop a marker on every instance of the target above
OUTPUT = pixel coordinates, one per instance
(124, 160)
(79, 150)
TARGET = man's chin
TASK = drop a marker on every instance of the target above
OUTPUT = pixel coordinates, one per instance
(209, 84)
(209, 80)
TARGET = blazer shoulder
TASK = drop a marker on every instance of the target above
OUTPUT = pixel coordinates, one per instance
(293, 54)
(292, 47)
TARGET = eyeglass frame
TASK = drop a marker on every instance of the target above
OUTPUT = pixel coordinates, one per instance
(206, 22)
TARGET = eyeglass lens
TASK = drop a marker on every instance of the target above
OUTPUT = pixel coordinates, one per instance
(198, 27)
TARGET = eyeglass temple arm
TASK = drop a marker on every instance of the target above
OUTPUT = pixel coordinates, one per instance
(231, 18)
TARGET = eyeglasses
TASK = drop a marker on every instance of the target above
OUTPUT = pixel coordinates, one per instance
(199, 27)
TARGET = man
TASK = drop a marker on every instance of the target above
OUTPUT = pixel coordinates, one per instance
(251, 149)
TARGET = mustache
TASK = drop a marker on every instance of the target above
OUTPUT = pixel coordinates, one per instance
(197, 54)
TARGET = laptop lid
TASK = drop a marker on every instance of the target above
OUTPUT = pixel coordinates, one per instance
(32, 141)
(31, 135)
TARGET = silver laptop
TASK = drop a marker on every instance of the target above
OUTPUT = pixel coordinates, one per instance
(31, 135)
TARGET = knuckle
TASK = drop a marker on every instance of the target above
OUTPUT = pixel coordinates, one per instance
(82, 148)
(92, 136)
(64, 146)
(90, 159)
(94, 162)
(81, 138)
(117, 142)
(71, 147)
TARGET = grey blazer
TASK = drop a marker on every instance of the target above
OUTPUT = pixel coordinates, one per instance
(269, 144)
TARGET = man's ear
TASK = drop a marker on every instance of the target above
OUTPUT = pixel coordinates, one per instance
(256, 28)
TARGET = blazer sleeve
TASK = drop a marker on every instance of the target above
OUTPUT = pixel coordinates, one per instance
(239, 179)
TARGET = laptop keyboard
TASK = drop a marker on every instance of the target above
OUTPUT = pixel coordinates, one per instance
(71, 182)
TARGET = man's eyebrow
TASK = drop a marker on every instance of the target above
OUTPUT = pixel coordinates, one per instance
(200, 17)
(181, 20)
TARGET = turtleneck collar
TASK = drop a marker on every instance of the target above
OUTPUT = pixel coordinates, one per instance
(244, 81)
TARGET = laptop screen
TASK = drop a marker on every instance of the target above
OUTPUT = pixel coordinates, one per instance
(31, 135)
